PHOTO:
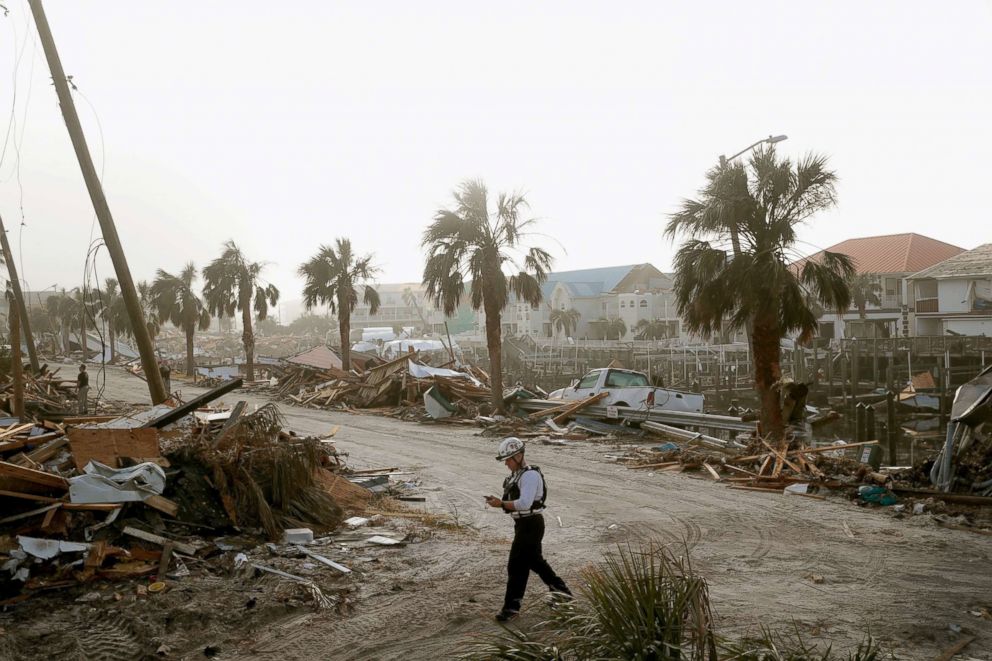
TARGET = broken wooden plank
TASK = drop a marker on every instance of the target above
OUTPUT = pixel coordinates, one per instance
(781, 456)
(28, 496)
(193, 404)
(712, 471)
(578, 406)
(163, 563)
(92, 507)
(765, 489)
(229, 424)
(34, 476)
(664, 464)
(30, 513)
(182, 547)
(162, 504)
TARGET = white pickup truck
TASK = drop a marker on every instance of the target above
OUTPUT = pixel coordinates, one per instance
(628, 388)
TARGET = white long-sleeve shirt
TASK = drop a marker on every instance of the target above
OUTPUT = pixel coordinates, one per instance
(531, 489)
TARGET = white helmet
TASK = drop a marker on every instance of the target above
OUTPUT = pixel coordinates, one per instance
(509, 447)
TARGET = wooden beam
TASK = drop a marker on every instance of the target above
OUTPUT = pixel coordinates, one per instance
(182, 547)
(578, 406)
(195, 403)
(32, 475)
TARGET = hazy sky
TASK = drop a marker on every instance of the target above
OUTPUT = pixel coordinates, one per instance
(286, 124)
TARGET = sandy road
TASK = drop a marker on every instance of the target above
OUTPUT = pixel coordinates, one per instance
(908, 579)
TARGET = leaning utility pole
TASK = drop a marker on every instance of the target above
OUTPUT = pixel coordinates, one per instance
(15, 284)
(141, 336)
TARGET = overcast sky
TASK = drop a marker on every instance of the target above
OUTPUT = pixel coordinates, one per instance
(286, 124)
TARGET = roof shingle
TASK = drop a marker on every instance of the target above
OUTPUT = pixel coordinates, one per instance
(977, 262)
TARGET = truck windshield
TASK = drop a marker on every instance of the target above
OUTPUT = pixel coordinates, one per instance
(617, 379)
(589, 380)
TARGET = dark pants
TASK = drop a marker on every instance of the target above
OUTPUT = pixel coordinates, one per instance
(525, 557)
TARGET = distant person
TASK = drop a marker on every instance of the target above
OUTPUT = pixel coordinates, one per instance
(696, 387)
(82, 390)
(163, 369)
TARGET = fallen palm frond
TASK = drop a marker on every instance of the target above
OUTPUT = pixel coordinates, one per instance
(770, 646)
(267, 478)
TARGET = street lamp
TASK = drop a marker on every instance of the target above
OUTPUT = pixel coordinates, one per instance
(770, 140)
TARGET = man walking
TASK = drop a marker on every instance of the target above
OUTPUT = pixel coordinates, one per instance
(166, 374)
(524, 496)
(82, 390)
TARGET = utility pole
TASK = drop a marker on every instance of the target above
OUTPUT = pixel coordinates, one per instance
(156, 388)
(22, 311)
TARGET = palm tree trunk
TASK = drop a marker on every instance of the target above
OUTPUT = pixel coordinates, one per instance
(766, 340)
(113, 345)
(82, 325)
(190, 366)
(344, 327)
(494, 343)
(248, 339)
(65, 338)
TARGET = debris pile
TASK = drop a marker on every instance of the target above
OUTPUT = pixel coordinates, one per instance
(149, 494)
(44, 394)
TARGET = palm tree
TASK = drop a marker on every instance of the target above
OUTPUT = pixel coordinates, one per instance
(472, 243)
(654, 329)
(616, 327)
(174, 299)
(60, 309)
(147, 310)
(333, 277)
(765, 202)
(564, 321)
(113, 312)
(865, 291)
(232, 283)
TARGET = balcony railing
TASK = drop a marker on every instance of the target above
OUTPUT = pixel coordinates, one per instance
(927, 305)
(890, 301)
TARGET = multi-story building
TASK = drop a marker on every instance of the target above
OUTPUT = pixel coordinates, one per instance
(888, 260)
(955, 296)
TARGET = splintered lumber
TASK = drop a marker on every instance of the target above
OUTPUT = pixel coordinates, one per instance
(712, 471)
(28, 496)
(765, 489)
(162, 504)
(195, 403)
(578, 406)
(236, 412)
(35, 476)
(327, 561)
(780, 454)
(14, 430)
(30, 513)
(792, 453)
(182, 547)
(663, 464)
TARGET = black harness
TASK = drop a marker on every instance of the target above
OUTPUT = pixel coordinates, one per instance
(511, 490)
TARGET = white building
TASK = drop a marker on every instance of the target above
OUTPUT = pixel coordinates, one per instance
(955, 296)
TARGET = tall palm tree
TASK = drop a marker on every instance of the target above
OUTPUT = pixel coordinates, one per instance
(61, 310)
(865, 291)
(174, 299)
(111, 309)
(148, 311)
(765, 201)
(333, 277)
(564, 321)
(472, 243)
(233, 283)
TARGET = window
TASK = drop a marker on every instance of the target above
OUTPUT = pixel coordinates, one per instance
(618, 379)
(644, 303)
(589, 380)
(623, 304)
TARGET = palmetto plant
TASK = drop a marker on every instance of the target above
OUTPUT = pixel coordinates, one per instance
(233, 283)
(471, 246)
(174, 299)
(333, 277)
(764, 202)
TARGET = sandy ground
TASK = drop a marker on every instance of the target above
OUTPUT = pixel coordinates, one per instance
(909, 580)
